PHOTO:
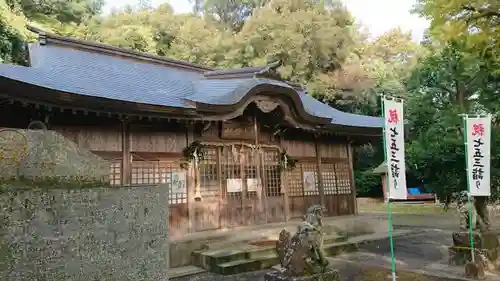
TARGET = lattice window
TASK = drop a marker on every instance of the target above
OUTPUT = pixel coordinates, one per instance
(343, 178)
(145, 172)
(175, 178)
(293, 182)
(115, 172)
(329, 179)
(271, 175)
(230, 171)
(209, 181)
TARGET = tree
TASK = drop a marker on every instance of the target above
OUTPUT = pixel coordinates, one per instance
(71, 11)
(476, 21)
(444, 85)
(230, 14)
(13, 34)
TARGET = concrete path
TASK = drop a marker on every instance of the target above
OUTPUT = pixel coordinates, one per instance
(424, 251)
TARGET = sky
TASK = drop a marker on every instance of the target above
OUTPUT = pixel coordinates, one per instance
(378, 15)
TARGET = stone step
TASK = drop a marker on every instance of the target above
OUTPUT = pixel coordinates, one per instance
(247, 265)
(226, 244)
(208, 259)
(245, 257)
(334, 238)
(256, 252)
(184, 271)
(335, 249)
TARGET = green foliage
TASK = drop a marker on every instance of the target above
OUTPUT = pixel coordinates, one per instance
(191, 152)
(287, 163)
(367, 158)
(13, 34)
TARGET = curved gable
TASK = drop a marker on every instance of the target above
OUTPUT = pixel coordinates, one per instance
(230, 97)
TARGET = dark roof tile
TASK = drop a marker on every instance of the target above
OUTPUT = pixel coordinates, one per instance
(102, 75)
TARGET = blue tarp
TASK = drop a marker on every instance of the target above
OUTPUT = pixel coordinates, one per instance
(414, 191)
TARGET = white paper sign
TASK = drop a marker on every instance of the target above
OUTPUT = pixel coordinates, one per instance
(178, 182)
(234, 185)
(309, 181)
(478, 141)
(395, 148)
(252, 184)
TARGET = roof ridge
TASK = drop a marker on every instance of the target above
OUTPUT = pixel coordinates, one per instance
(44, 38)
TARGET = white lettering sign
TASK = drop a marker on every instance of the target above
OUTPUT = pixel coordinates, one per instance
(309, 181)
(178, 182)
(395, 148)
(478, 138)
(253, 185)
(234, 185)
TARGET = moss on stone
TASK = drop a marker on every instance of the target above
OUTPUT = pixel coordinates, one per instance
(22, 183)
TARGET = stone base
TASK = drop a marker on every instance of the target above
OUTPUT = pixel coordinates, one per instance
(486, 243)
(475, 270)
(329, 275)
(462, 239)
(460, 253)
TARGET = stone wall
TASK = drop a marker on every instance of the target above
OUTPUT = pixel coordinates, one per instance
(98, 234)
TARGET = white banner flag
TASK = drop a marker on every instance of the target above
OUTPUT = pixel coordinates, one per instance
(395, 148)
(478, 130)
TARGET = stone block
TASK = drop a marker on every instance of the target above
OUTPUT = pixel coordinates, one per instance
(54, 234)
(328, 275)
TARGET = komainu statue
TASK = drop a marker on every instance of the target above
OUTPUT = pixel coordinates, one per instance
(302, 256)
(486, 245)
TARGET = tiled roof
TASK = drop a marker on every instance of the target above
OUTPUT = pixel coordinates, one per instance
(101, 75)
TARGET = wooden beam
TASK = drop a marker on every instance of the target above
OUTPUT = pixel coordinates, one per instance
(320, 174)
(351, 178)
(191, 183)
(126, 157)
(262, 194)
(286, 200)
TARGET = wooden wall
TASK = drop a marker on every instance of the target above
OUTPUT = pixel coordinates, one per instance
(332, 173)
(94, 138)
(154, 152)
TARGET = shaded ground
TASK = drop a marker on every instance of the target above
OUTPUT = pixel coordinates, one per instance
(350, 272)
(422, 250)
(421, 255)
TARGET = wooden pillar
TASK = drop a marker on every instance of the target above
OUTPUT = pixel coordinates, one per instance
(244, 196)
(384, 186)
(337, 193)
(351, 177)
(284, 190)
(261, 191)
(126, 156)
(191, 182)
(219, 176)
(320, 174)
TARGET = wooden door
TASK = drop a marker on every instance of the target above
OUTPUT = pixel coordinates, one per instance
(206, 204)
(271, 178)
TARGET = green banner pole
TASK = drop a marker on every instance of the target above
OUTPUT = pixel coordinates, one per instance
(469, 202)
(389, 213)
